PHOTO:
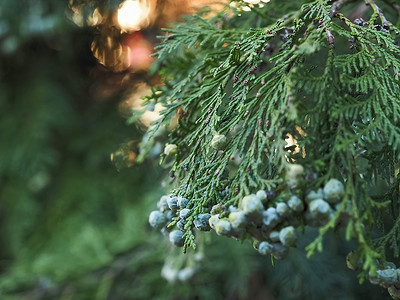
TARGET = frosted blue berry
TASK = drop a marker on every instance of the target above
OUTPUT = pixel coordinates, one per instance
(387, 277)
(232, 208)
(201, 222)
(318, 213)
(287, 236)
(162, 204)
(176, 238)
(157, 219)
(181, 224)
(282, 209)
(262, 195)
(334, 191)
(296, 204)
(172, 202)
(264, 248)
(182, 202)
(319, 208)
(184, 213)
(313, 195)
(170, 214)
(270, 217)
(274, 236)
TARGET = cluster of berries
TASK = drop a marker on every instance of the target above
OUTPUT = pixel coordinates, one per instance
(170, 206)
(270, 221)
(387, 276)
(272, 226)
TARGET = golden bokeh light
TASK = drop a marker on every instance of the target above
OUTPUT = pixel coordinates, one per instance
(250, 4)
(134, 101)
(133, 15)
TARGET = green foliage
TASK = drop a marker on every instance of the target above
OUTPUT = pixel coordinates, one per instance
(65, 209)
(328, 82)
(74, 227)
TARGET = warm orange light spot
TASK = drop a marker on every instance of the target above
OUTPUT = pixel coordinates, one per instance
(133, 15)
(140, 50)
(131, 158)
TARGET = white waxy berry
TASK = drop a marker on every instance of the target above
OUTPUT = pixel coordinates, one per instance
(334, 191)
(172, 202)
(157, 219)
(212, 221)
(296, 204)
(287, 236)
(293, 175)
(313, 195)
(176, 238)
(282, 209)
(232, 208)
(223, 227)
(237, 219)
(295, 170)
(251, 204)
(264, 248)
(270, 217)
(262, 195)
(320, 208)
(170, 149)
(219, 141)
(274, 236)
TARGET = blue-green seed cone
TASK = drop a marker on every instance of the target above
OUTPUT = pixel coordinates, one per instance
(176, 238)
(157, 219)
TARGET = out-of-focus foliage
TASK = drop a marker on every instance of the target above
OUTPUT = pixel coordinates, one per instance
(65, 210)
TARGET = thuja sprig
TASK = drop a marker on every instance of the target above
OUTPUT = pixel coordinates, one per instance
(232, 98)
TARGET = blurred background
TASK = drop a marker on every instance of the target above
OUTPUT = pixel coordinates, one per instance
(74, 205)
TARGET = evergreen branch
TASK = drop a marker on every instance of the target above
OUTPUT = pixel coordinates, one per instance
(293, 77)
